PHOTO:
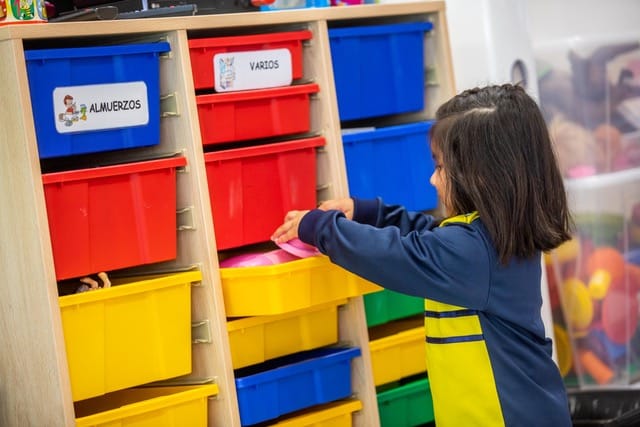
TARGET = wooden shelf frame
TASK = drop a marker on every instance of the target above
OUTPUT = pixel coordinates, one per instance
(34, 377)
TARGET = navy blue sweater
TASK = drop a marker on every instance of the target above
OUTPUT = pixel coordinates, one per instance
(489, 362)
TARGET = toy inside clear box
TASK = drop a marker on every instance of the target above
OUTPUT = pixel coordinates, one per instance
(594, 282)
(589, 91)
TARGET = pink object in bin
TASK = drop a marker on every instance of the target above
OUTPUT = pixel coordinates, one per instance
(289, 251)
(276, 256)
(298, 248)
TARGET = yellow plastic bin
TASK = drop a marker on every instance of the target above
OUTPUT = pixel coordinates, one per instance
(177, 406)
(397, 350)
(334, 414)
(286, 287)
(259, 338)
(135, 332)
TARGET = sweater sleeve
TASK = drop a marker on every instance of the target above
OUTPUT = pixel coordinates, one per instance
(448, 264)
(375, 212)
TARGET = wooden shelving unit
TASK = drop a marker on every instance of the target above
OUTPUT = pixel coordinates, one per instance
(34, 377)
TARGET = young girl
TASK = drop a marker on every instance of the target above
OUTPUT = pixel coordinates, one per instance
(479, 269)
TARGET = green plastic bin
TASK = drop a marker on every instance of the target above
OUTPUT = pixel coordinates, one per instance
(406, 405)
(385, 306)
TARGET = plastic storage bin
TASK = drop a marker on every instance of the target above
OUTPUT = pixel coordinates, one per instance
(203, 53)
(112, 217)
(407, 403)
(392, 162)
(595, 283)
(135, 332)
(301, 380)
(287, 287)
(335, 414)
(397, 350)
(385, 306)
(148, 407)
(93, 99)
(252, 188)
(379, 70)
(262, 113)
(256, 339)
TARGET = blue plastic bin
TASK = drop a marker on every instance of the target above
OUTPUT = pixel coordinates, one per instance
(394, 163)
(93, 99)
(293, 382)
(379, 70)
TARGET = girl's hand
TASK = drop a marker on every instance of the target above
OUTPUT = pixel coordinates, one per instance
(345, 205)
(289, 229)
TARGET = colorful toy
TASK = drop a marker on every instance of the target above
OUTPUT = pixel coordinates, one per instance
(563, 348)
(620, 315)
(90, 284)
(608, 259)
(599, 283)
(577, 305)
(598, 370)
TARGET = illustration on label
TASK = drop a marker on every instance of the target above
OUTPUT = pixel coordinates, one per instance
(227, 72)
(23, 10)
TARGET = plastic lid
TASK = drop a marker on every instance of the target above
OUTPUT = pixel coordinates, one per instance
(88, 52)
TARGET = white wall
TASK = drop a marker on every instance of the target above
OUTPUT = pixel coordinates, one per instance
(487, 38)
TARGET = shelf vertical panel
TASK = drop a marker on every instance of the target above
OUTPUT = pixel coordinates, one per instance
(34, 379)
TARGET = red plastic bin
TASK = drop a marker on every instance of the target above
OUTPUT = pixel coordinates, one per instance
(262, 113)
(112, 217)
(251, 189)
(202, 51)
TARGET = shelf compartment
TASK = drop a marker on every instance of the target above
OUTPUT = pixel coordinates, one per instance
(386, 306)
(147, 407)
(255, 114)
(290, 286)
(93, 99)
(397, 350)
(392, 162)
(256, 339)
(379, 69)
(408, 403)
(252, 188)
(291, 383)
(203, 52)
(335, 414)
(135, 332)
(112, 217)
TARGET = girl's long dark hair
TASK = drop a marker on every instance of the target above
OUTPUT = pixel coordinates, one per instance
(498, 160)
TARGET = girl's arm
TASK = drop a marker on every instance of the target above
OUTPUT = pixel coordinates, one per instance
(375, 212)
(448, 264)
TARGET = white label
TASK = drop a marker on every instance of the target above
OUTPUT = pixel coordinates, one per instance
(252, 69)
(97, 107)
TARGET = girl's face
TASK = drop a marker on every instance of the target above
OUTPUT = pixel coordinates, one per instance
(439, 181)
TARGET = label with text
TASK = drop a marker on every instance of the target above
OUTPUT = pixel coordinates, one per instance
(99, 107)
(258, 69)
